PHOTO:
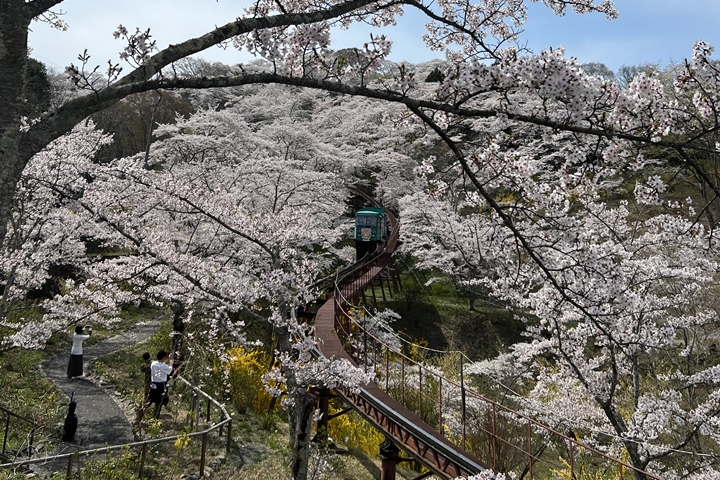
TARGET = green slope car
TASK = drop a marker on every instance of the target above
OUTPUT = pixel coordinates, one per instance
(371, 230)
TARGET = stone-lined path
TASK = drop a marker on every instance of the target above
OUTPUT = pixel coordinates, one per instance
(101, 422)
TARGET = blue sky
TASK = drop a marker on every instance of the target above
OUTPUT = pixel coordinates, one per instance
(655, 31)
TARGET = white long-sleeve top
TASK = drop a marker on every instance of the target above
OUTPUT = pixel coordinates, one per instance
(159, 371)
(77, 343)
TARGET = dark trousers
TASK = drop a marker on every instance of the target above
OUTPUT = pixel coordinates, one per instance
(75, 366)
(158, 396)
(157, 391)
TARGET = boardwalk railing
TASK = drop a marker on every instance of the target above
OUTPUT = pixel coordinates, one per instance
(202, 406)
(505, 439)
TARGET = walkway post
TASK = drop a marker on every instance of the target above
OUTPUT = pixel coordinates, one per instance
(529, 447)
(203, 451)
(143, 455)
(494, 436)
(229, 436)
(32, 438)
(7, 429)
(69, 467)
(420, 390)
(390, 455)
(196, 410)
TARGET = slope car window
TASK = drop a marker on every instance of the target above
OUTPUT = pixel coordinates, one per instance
(366, 221)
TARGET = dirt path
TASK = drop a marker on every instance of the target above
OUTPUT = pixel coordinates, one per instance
(100, 420)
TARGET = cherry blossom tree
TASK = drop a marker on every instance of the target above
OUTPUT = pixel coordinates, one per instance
(580, 224)
(229, 223)
(42, 236)
(611, 281)
(232, 220)
(294, 38)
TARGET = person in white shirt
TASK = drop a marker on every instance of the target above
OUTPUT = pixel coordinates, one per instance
(75, 365)
(160, 370)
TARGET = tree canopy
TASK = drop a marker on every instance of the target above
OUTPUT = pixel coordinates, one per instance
(587, 205)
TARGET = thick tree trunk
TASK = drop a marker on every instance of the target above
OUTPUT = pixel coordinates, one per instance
(301, 432)
(178, 310)
(300, 418)
(14, 22)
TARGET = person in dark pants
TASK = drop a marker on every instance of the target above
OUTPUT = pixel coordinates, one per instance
(75, 365)
(160, 370)
(145, 369)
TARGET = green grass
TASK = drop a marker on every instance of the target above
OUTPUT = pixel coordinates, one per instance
(437, 315)
(26, 392)
(260, 441)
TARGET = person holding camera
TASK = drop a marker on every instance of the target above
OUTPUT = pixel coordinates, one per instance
(160, 371)
(75, 366)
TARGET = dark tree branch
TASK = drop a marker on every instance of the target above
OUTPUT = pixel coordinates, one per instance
(38, 7)
(246, 25)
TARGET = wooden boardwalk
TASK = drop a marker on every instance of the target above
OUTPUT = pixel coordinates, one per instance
(397, 422)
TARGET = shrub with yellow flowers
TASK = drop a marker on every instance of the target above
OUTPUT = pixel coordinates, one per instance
(244, 371)
(354, 432)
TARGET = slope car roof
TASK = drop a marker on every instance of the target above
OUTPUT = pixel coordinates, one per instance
(370, 211)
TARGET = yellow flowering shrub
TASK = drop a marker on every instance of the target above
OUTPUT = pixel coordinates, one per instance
(181, 442)
(244, 372)
(354, 432)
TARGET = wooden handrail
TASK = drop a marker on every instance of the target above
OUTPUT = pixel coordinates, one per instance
(225, 420)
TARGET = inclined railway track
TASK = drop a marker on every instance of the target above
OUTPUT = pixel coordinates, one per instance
(499, 431)
(404, 428)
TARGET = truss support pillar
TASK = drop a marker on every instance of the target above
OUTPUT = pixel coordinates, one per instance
(390, 455)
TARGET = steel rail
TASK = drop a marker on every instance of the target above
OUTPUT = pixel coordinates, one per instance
(417, 438)
(403, 428)
(408, 362)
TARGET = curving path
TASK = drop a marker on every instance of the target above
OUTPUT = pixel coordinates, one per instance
(100, 420)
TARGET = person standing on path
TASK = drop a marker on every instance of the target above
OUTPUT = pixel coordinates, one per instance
(75, 365)
(160, 370)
